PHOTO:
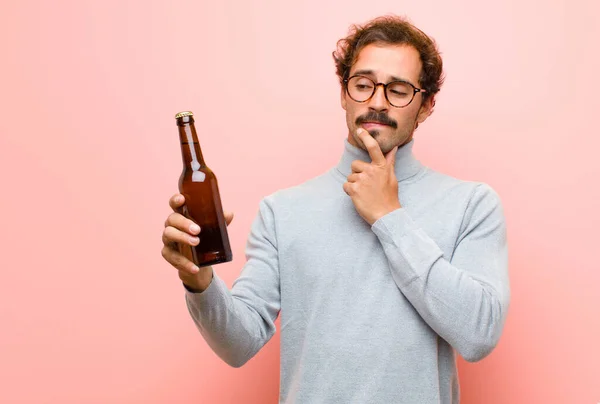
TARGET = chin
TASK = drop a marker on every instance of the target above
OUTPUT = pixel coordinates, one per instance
(374, 133)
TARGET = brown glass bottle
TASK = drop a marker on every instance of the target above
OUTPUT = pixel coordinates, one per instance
(198, 184)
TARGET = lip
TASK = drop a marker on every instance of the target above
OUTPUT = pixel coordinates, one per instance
(373, 125)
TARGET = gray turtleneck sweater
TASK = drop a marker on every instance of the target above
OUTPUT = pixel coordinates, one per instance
(369, 314)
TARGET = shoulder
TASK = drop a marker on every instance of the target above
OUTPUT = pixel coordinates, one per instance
(316, 188)
(451, 186)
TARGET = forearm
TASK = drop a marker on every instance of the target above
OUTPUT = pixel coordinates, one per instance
(465, 302)
(466, 312)
(234, 331)
(237, 323)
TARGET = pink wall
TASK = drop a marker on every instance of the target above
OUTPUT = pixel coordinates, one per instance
(90, 313)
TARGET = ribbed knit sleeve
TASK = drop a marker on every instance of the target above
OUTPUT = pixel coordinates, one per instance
(464, 299)
(237, 323)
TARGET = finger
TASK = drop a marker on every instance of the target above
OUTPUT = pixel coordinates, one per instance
(348, 188)
(176, 201)
(372, 146)
(182, 223)
(358, 166)
(172, 235)
(354, 177)
(178, 261)
(391, 156)
(228, 217)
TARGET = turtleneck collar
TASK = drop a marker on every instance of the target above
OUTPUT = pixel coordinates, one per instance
(406, 163)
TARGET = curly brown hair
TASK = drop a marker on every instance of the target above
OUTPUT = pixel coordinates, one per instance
(392, 30)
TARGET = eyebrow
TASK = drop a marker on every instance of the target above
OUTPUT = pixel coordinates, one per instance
(366, 72)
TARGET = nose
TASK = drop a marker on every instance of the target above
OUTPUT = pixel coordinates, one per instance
(378, 102)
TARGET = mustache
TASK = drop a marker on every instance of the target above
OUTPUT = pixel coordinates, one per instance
(373, 116)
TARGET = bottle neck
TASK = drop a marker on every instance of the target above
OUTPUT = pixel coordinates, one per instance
(190, 146)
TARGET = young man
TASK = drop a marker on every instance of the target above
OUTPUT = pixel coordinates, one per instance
(381, 268)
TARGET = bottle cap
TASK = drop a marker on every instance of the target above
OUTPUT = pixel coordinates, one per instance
(184, 113)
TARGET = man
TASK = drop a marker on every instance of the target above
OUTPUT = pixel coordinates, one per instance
(381, 268)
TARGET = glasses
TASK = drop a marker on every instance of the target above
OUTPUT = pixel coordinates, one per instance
(398, 93)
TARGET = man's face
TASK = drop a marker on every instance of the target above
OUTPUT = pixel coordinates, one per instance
(389, 125)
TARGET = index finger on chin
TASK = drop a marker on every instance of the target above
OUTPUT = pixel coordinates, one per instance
(372, 146)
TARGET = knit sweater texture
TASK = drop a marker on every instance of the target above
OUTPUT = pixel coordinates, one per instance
(369, 313)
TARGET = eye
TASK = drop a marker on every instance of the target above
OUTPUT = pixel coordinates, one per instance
(399, 89)
(399, 93)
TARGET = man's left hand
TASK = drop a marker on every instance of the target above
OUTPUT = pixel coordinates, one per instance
(373, 186)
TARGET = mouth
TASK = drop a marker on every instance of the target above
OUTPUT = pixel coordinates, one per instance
(373, 125)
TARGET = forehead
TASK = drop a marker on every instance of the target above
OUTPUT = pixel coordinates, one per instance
(385, 61)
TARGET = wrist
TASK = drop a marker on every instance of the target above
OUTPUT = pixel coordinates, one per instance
(199, 282)
(384, 213)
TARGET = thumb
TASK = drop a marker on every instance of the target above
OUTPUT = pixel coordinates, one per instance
(228, 217)
(391, 156)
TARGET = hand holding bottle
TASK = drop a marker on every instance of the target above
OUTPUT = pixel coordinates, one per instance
(181, 233)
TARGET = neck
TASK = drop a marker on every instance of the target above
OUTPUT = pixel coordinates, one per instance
(405, 167)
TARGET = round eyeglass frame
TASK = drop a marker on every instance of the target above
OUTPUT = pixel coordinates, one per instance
(385, 86)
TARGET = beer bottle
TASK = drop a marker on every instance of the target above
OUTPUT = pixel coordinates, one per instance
(198, 185)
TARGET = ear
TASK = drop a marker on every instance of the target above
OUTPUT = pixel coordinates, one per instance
(426, 110)
(343, 97)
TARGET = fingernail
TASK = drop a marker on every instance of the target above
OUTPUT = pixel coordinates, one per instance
(194, 240)
(195, 228)
(359, 131)
(178, 199)
(195, 269)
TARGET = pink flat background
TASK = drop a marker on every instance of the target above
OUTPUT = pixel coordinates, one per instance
(90, 312)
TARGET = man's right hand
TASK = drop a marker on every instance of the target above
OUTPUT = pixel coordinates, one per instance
(181, 230)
